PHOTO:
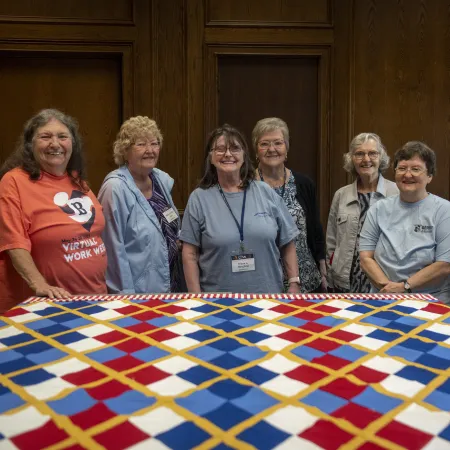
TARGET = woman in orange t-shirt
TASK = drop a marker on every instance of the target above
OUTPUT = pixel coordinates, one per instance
(50, 221)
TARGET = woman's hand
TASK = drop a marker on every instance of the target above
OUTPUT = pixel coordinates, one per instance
(294, 288)
(393, 288)
(43, 289)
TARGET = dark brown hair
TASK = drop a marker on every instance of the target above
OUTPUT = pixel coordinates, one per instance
(23, 156)
(417, 148)
(232, 136)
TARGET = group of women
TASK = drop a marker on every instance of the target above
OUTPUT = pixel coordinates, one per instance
(245, 229)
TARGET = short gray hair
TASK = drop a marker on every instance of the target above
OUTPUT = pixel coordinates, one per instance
(359, 140)
(268, 125)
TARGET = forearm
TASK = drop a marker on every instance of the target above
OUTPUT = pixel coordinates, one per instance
(323, 267)
(373, 271)
(430, 275)
(25, 267)
(190, 267)
(290, 262)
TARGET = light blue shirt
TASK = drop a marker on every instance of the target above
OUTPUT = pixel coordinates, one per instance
(407, 237)
(135, 243)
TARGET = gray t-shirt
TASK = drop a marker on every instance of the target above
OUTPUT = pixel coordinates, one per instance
(209, 225)
(407, 237)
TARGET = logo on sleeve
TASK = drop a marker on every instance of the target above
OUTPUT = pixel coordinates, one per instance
(79, 207)
(423, 228)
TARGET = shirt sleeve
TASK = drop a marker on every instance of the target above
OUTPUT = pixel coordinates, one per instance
(443, 236)
(371, 230)
(13, 223)
(287, 230)
(118, 273)
(191, 228)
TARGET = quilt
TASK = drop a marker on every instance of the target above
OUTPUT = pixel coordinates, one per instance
(226, 371)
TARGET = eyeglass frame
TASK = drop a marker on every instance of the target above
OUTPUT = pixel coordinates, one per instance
(404, 170)
(152, 145)
(270, 143)
(360, 155)
(223, 149)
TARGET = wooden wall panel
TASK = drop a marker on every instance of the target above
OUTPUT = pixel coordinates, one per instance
(269, 12)
(401, 82)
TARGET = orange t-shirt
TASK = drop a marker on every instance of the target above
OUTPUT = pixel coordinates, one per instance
(59, 225)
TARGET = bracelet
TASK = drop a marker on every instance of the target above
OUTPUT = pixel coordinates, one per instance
(294, 280)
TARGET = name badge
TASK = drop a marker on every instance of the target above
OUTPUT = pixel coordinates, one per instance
(170, 215)
(242, 262)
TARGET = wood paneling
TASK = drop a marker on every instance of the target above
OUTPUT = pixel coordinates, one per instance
(285, 13)
(113, 11)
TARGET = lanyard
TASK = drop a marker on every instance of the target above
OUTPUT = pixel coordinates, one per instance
(241, 226)
(284, 181)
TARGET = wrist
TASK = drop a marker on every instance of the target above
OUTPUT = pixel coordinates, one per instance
(294, 280)
(407, 287)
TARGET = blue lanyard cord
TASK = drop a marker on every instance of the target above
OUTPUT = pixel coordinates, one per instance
(241, 226)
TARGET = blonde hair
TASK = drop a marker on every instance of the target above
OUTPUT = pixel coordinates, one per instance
(268, 125)
(131, 130)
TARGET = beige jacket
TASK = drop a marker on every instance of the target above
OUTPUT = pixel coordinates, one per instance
(342, 229)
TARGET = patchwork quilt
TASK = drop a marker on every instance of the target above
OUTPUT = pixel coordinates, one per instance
(226, 371)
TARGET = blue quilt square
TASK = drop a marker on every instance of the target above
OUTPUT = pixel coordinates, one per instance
(418, 345)
(201, 402)
(293, 321)
(54, 329)
(206, 353)
(93, 310)
(245, 322)
(434, 361)
(360, 309)
(2, 324)
(202, 335)
(69, 338)
(416, 374)
(253, 336)
(36, 347)
(437, 398)
(412, 321)
(211, 321)
(445, 386)
(329, 321)
(67, 317)
(306, 352)
(226, 301)
(348, 352)
(149, 354)
(227, 314)
(129, 402)
(73, 403)
(373, 320)
(384, 335)
(374, 303)
(445, 434)
(4, 390)
(248, 353)
(227, 326)
(257, 375)
(437, 337)
(17, 339)
(254, 401)
(400, 327)
(125, 322)
(406, 353)
(186, 435)
(47, 356)
(9, 401)
(205, 308)
(77, 323)
(387, 315)
(198, 374)
(263, 436)
(228, 361)
(48, 311)
(76, 305)
(229, 389)
(447, 320)
(324, 401)
(226, 344)
(15, 365)
(403, 309)
(162, 321)
(227, 416)
(375, 401)
(249, 309)
(440, 352)
(9, 355)
(106, 354)
(37, 324)
(32, 377)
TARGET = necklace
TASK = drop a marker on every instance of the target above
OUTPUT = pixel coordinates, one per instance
(284, 181)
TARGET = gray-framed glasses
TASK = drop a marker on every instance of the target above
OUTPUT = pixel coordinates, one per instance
(143, 144)
(415, 171)
(359, 156)
(277, 144)
(222, 149)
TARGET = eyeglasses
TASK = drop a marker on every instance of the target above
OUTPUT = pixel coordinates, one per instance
(143, 144)
(222, 149)
(265, 145)
(415, 171)
(361, 155)
(47, 137)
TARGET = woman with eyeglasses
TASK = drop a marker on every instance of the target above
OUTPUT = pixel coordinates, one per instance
(405, 241)
(270, 138)
(142, 222)
(236, 230)
(366, 160)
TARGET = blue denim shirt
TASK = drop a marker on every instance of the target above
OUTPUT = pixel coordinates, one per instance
(135, 244)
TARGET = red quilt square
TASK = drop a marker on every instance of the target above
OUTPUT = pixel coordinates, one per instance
(405, 436)
(96, 414)
(172, 309)
(132, 345)
(308, 315)
(84, 376)
(356, 415)
(128, 309)
(45, 436)
(344, 336)
(302, 303)
(110, 389)
(124, 363)
(148, 375)
(314, 327)
(163, 335)
(323, 345)
(153, 303)
(326, 435)
(369, 375)
(283, 309)
(326, 309)
(306, 374)
(146, 315)
(121, 436)
(112, 336)
(141, 328)
(294, 336)
(436, 308)
(330, 361)
(15, 312)
(343, 388)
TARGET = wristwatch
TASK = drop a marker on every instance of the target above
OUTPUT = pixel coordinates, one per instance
(294, 280)
(407, 287)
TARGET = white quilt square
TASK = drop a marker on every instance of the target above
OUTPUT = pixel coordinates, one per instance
(279, 364)
(71, 365)
(175, 365)
(431, 422)
(284, 386)
(183, 328)
(292, 419)
(25, 420)
(171, 386)
(48, 388)
(399, 385)
(157, 421)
